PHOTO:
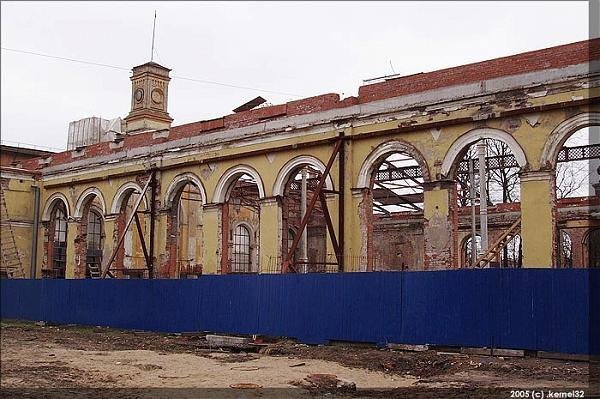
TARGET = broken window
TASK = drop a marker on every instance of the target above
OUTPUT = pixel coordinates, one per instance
(59, 242)
(502, 181)
(310, 255)
(94, 244)
(467, 250)
(577, 164)
(566, 250)
(188, 231)
(592, 246)
(397, 198)
(241, 213)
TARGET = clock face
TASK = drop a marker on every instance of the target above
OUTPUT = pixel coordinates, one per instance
(157, 96)
(139, 95)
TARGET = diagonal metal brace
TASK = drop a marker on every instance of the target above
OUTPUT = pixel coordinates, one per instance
(290, 256)
(129, 221)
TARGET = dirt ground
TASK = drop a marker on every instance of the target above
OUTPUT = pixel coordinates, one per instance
(75, 358)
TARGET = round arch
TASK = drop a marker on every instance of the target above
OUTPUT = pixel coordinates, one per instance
(475, 135)
(51, 202)
(291, 165)
(83, 198)
(224, 185)
(178, 182)
(562, 132)
(122, 193)
(389, 147)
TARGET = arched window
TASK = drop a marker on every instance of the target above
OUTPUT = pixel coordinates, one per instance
(468, 250)
(240, 262)
(511, 254)
(592, 244)
(566, 250)
(59, 243)
(94, 244)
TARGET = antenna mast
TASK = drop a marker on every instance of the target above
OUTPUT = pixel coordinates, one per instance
(153, 29)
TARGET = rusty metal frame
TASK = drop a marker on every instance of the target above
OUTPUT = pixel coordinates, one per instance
(151, 182)
(289, 262)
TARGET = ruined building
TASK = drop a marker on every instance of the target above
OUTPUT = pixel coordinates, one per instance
(405, 176)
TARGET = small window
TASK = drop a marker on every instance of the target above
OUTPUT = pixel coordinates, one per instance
(241, 262)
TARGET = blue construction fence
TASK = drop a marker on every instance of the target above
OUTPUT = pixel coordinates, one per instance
(532, 309)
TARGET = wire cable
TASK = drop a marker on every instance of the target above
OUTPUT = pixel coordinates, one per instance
(204, 81)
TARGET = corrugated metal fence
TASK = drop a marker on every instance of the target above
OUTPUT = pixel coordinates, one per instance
(518, 308)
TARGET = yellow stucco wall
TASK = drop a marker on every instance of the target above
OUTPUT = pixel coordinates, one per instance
(531, 131)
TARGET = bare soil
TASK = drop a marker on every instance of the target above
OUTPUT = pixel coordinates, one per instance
(76, 358)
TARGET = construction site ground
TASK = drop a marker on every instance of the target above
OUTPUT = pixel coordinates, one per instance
(71, 359)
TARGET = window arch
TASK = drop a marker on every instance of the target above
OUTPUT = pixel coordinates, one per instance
(57, 243)
(241, 260)
(94, 244)
(592, 245)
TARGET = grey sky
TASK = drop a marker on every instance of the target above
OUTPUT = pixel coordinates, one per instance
(304, 48)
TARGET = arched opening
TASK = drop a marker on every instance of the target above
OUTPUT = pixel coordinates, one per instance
(469, 248)
(240, 220)
(565, 259)
(89, 243)
(185, 233)
(56, 243)
(591, 246)
(311, 254)
(488, 200)
(94, 241)
(130, 260)
(396, 195)
(577, 194)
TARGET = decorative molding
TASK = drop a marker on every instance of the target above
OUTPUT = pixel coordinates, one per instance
(225, 184)
(47, 212)
(561, 133)
(178, 182)
(387, 148)
(294, 163)
(474, 135)
(92, 191)
(122, 192)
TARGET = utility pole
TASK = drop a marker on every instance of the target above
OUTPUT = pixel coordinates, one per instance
(482, 195)
(473, 219)
(303, 240)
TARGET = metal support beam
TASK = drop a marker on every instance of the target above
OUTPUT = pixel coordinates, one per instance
(303, 233)
(142, 240)
(482, 195)
(341, 203)
(473, 219)
(290, 256)
(152, 181)
(330, 229)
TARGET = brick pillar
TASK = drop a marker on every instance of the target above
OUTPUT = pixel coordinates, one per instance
(440, 226)
(538, 218)
(71, 266)
(212, 239)
(359, 216)
(270, 240)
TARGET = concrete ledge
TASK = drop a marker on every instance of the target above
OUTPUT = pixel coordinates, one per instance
(508, 352)
(407, 347)
(227, 341)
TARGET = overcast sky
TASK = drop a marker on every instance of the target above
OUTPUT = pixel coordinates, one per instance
(297, 49)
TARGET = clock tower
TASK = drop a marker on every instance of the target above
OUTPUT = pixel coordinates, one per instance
(149, 93)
